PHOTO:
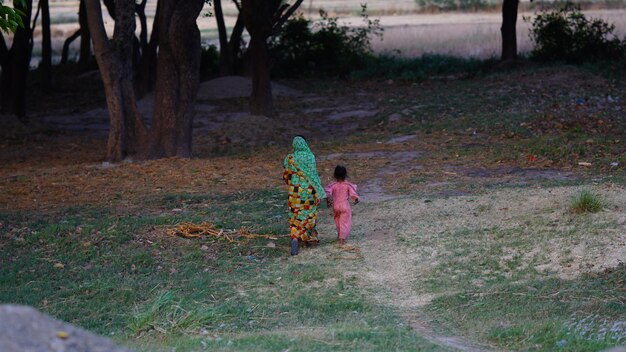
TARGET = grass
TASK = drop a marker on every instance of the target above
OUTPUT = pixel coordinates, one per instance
(124, 278)
(586, 201)
(500, 259)
(504, 268)
(585, 314)
(426, 66)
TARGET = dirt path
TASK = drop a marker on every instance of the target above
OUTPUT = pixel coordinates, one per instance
(385, 268)
(384, 263)
(398, 274)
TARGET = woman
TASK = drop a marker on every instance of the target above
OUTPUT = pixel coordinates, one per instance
(305, 193)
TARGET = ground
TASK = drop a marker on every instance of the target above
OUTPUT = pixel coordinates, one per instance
(465, 238)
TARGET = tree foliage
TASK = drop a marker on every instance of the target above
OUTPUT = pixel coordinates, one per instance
(11, 17)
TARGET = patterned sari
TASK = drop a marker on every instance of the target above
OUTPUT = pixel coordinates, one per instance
(305, 191)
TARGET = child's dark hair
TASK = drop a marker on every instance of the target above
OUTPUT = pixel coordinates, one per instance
(341, 173)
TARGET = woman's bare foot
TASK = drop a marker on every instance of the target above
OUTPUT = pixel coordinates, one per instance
(294, 246)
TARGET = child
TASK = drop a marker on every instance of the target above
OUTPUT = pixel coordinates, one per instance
(339, 193)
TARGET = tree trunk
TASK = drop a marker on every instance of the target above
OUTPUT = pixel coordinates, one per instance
(85, 37)
(234, 46)
(261, 102)
(147, 68)
(15, 66)
(127, 133)
(177, 83)
(230, 51)
(225, 59)
(258, 16)
(263, 18)
(46, 46)
(143, 35)
(509, 36)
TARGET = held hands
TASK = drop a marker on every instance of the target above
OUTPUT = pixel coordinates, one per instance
(356, 201)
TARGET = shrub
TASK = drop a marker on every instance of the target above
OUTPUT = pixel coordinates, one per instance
(567, 35)
(323, 47)
(586, 201)
(209, 62)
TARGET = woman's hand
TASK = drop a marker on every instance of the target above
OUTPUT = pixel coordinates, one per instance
(318, 201)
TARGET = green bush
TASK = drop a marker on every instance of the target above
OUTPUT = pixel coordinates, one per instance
(567, 35)
(323, 47)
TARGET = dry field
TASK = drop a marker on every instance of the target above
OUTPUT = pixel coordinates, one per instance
(465, 35)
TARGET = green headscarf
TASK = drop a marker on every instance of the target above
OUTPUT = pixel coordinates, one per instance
(305, 160)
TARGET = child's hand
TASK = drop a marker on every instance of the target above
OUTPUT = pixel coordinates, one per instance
(356, 201)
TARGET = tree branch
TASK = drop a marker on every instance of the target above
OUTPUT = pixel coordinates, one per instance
(237, 5)
(110, 5)
(66, 46)
(32, 28)
(281, 21)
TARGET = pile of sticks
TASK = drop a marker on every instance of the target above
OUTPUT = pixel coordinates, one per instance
(207, 229)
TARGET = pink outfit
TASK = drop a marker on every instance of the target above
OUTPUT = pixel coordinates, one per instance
(341, 192)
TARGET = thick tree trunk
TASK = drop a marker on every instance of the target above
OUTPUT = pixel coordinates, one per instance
(127, 133)
(259, 18)
(261, 102)
(84, 57)
(263, 18)
(177, 83)
(46, 46)
(509, 36)
(15, 66)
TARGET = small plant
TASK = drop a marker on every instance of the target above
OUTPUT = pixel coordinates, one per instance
(209, 62)
(567, 35)
(586, 201)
